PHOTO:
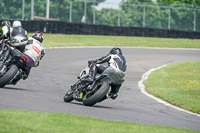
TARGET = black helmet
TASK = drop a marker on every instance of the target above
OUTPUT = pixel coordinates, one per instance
(38, 36)
(4, 23)
(116, 50)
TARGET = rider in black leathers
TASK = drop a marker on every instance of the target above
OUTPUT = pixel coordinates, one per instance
(6, 30)
(114, 59)
(16, 35)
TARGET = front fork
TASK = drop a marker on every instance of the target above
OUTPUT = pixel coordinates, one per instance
(4, 56)
(4, 60)
(79, 90)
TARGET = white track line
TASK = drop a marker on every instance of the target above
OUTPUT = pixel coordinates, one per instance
(142, 88)
(72, 47)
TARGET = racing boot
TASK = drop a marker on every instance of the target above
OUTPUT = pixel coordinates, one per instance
(91, 76)
(89, 79)
(26, 73)
(90, 87)
(113, 95)
(114, 90)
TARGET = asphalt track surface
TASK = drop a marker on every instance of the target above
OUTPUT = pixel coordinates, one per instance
(44, 89)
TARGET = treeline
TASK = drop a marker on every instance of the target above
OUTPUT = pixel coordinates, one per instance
(162, 14)
(59, 9)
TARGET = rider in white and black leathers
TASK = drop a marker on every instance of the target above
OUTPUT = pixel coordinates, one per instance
(18, 36)
(33, 53)
(114, 59)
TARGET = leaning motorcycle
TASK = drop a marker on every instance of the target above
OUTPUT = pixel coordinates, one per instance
(11, 64)
(81, 91)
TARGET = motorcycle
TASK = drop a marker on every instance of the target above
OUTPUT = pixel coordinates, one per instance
(81, 91)
(11, 64)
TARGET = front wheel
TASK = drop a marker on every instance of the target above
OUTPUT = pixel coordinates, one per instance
(69, 96)
(5, 79)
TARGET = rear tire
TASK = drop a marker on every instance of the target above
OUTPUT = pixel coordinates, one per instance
(5, 79)
(97, 96)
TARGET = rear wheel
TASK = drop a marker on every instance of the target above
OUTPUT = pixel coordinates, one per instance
(100, 92)
(5, 79)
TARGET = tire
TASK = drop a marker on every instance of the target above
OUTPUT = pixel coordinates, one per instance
(5, 79)
(97, 96)
(69, 96)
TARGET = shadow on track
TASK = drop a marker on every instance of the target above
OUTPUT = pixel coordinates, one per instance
(13, 88)
(95, 106)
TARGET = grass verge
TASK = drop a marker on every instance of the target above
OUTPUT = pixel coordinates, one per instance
(12, 121)
(178, 84)
(63, 40)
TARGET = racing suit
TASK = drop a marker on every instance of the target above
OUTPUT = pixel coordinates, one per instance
(34, 52)
(113, 60)
(19, 38)
(6, 32)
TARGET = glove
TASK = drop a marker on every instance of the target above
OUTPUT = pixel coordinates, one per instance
(8, 42)
(42, 54)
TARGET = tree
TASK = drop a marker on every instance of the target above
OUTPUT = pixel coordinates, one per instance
(8, 9)
(59, 9)
(193, 3)
(156, 16)
(107, 17)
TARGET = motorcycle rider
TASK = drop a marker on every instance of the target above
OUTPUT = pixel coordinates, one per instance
(6, 30)
(33, 53)
(15, 35)
(114, 59)
(18, 36)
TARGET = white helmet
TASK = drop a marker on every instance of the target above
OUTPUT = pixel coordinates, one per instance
(17, 24)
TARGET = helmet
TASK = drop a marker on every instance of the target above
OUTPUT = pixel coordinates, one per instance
(17, 24)
(38, 36)
(4, 23)
(116, 50)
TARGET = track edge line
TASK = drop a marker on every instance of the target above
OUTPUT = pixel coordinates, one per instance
(142, 88)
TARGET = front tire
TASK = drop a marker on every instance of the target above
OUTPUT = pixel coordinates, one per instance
(5, 79)
(69, 96)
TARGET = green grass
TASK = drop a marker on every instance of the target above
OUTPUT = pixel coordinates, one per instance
(178, 84)
(12, 121)
(62, 40)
